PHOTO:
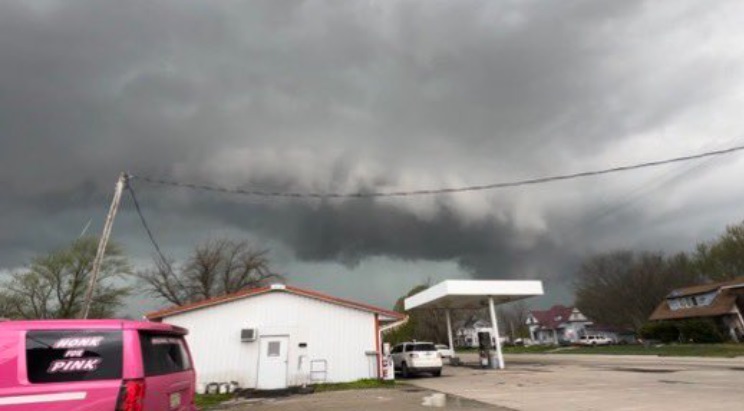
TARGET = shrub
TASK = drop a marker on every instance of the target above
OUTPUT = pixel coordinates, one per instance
(663, 331)
(702, 330)
(698, 330)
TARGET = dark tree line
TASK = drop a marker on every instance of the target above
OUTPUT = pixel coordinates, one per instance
(623, 288)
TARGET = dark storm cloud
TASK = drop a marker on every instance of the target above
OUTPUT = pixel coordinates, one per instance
(350, 232)
(354, 230)
(99, 86)
(369, 95)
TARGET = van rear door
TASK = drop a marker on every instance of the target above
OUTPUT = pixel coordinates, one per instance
(169, 376)
(64, 370)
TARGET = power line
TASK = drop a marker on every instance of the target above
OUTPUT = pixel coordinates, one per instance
(533, 181)
(651, 185)
(147, 227)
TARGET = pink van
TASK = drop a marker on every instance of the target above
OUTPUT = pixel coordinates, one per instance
(94, 365)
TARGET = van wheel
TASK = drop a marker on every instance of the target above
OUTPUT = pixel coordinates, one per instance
(404, 370)
(437, 373)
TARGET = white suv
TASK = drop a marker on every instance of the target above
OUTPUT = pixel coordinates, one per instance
(417, 357)
(594, 340)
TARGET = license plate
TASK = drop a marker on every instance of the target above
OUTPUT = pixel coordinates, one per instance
(175, 400)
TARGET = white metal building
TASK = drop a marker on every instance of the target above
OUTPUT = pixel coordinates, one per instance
(280, 336)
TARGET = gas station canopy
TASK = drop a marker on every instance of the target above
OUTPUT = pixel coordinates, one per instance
(473, 294)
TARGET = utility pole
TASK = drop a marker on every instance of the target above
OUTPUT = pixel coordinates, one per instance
(102, 243)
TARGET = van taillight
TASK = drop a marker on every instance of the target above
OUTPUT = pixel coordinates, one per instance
(193, 392)
(131, 396)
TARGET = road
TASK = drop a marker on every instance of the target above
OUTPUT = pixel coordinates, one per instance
(599, 382)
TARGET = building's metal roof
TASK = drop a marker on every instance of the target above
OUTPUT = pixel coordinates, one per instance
(385, 315)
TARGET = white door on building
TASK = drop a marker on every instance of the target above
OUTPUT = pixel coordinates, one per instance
(272, 363)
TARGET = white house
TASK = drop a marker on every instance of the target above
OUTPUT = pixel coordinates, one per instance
(467, 335)
(280, 336)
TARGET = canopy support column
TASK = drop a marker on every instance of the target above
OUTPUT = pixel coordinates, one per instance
(495, 325)
(449, 333)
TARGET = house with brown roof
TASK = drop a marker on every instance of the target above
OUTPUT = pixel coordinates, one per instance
(556, 325)
(722, 302)
(565, 325)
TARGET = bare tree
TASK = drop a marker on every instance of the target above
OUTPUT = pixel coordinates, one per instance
(214, 268)
(623, 288)
(54, 285)
(513, 320)
(7, 307)
(427, 324)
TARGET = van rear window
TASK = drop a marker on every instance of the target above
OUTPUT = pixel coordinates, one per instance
(80, 355)
(163, 354)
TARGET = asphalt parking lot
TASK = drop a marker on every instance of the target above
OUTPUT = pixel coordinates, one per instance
(402, 398)
(598, 382)
(539, 382)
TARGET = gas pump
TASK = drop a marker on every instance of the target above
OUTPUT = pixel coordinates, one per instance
(388, 367)
(484, 348)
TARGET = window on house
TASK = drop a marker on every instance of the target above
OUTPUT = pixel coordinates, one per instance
(684, 302)
(705, 299)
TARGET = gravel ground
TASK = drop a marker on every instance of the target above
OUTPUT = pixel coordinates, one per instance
(599, 382)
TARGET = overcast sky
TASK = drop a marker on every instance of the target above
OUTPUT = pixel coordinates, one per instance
(372, 95)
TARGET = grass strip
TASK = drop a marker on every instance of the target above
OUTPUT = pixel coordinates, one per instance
(208, 400)
(354, 385)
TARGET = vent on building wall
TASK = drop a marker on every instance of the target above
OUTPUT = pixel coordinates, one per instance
(248, 334)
